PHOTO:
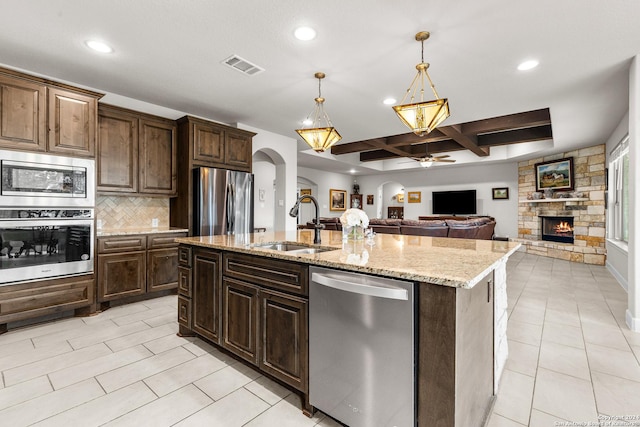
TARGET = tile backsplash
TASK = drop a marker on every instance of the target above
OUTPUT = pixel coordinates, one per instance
(131, 212)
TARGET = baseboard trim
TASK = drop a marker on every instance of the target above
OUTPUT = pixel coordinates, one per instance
(621, 280)
(632, 322)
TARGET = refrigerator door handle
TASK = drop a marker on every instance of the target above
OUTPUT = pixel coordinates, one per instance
(343, 284)
(230, 209)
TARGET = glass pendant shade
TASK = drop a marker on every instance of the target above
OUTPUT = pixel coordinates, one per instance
(424, 116)
(320, 139)
(317, 136)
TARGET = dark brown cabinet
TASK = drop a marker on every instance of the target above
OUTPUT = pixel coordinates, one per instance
(240, 319)
(252, 306)
(283, 337)
(43, 297)
(207, 144)
(41, 115)
(136, 265)
(206, 293)
(72, 123)
(23, 119)
(136, 153)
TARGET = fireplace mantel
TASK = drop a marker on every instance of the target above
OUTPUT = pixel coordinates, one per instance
(569, 199)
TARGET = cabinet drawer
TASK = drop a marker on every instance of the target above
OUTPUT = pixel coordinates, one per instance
(163, 240)
(284, 275)
(184, 256)
(122, 244)
(184, 281)
(184, 311)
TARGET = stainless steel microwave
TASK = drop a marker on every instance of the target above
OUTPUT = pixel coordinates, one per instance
(43, 180)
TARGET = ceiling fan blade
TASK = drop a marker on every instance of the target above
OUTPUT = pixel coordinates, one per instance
(444, 161)
(444, 156)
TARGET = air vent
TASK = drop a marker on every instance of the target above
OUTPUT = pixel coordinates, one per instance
(242, 65)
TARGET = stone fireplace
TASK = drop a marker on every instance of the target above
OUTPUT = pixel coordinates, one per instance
(556, 228)
(583, 210)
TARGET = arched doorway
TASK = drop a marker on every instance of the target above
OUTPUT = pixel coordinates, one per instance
(269, 186)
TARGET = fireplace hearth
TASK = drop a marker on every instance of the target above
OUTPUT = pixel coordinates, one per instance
(557, 228)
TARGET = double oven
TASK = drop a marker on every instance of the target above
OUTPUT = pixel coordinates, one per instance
(46, 216)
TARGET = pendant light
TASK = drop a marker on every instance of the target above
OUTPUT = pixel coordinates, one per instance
(424, 116)
(319, 137)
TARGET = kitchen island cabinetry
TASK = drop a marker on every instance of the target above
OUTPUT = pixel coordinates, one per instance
(460, 310)
(134, 265)
(41, 115)
(258, 304)
(136, 153)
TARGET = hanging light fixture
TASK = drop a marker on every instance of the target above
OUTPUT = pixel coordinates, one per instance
(317, 136)
(424, 116)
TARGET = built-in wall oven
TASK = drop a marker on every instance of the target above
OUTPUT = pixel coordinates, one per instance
(46, 216)
(42, 243)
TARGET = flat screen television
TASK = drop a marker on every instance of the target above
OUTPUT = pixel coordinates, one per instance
(454, 202)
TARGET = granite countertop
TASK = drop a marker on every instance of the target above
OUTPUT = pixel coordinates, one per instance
(439, 260)
(107, 232)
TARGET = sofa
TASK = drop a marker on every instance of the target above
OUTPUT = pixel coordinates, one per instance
(474, 228)
(470, 228)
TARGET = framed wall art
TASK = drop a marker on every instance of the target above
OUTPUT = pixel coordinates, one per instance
(337, 198)
(305, 191)
(500, 193)
(554, 175)
(369, 199)
(356, 201)
(414, 196)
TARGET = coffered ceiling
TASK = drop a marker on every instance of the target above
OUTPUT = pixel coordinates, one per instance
(171, 52)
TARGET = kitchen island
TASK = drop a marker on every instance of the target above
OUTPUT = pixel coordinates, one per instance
(251, 299)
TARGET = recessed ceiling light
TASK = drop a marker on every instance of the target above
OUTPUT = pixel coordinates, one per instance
(307, 122)
(389, 101)
(99, 46)
(305, 33)
(353, 171)
(528, 65)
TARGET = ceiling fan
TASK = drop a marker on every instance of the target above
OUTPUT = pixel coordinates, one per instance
(428, 160)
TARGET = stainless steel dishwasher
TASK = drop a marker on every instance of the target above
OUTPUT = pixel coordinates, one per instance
(362, 348)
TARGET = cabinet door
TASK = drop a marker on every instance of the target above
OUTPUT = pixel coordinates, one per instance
(121, 275)
(206, 304)
(238, 151)
(117, 160)
(240, 312)
(208, 144)
(162, 269)
(157, 157)
(72, 123)
(283, 339)
(23, 118)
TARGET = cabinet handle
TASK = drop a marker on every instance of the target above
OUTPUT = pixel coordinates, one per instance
(489, 283)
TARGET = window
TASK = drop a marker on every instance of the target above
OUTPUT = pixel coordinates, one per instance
(619, 199)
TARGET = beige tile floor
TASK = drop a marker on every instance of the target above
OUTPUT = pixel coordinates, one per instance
(571, 359)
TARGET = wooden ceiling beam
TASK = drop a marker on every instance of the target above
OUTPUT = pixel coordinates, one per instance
(515, 136)
(391, 141)
(470, 142)
(416, 150)
(510, 121)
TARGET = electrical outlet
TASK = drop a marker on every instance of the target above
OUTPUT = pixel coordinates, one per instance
(154, 222)
(99, 224)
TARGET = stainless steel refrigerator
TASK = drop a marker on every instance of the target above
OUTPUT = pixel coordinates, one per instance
(223, 202)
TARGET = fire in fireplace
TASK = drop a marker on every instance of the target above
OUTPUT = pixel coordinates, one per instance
(557, 228)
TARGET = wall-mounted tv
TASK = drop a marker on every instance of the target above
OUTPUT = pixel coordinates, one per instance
(454, 202)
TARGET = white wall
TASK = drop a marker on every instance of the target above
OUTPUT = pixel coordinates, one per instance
(444, 178)
(633, 311)
(282, 150)
(390, 191)
(617, 256)
(264, 175)
(307, 209)
(325, 182)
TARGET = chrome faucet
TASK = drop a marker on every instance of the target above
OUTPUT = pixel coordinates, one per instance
(316, 222)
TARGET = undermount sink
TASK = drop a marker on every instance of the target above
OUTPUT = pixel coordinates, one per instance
(293, 248)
